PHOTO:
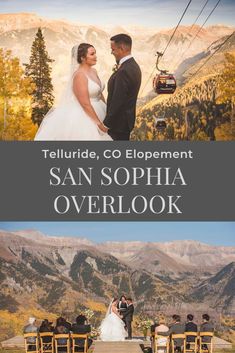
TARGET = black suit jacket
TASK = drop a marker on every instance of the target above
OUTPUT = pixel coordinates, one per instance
(123, 88)
(128, 314)
(81, 329)
(190, 327)
(206, 327)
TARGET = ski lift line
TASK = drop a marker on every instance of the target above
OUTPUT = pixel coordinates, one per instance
(199, 15)
(209, 15)
(172, 36)
(167, 44)
(221, 45)
(203, 25)
(201, 29)
(202, 9)
(147, 81)
(206, 20)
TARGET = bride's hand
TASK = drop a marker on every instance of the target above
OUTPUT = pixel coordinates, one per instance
(102, 127)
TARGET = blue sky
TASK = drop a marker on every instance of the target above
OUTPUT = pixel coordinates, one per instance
(157, 13)
(215, 233)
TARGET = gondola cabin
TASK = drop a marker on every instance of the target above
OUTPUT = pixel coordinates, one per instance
(164, 84)
(160, 124)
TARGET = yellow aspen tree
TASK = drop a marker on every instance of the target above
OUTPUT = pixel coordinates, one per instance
(15, 96)
(227, 87)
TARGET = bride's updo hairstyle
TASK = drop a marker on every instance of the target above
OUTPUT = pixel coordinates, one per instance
(82, 51)
(114, 300)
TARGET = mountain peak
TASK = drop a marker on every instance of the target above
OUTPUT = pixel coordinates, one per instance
(30, 234)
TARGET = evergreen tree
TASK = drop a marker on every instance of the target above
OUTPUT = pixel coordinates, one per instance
(39, 70)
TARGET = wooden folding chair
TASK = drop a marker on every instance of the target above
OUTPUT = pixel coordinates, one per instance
(161, 343)
(202, 344)
(46, 342)
(62, 342)
(176, 336)
(79, 340)
(31, 342)
(192, 345)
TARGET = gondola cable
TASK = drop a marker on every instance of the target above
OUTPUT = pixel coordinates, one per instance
(199, 30)
(201, 11)
(203, 24)
(221, 45)
(185, 10)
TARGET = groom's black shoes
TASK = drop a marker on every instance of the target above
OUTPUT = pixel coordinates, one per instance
(128, 338)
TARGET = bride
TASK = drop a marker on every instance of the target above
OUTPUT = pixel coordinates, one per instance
(112, 327)
(80, 113)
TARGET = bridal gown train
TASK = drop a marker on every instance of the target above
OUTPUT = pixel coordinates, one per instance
(112, 328)
(70, 122)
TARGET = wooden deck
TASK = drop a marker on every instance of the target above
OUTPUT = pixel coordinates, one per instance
(117, 347)
(111, 347)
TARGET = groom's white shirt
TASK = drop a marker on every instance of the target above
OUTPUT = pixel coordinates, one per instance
(125, 59)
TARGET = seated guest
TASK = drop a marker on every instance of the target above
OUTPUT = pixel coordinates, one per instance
(68, 324)
(46, 326)
(61, 328)
(80, 327)
(31, 328)
(190, 326)
(206, 326)
(161, 341)
(175, 328)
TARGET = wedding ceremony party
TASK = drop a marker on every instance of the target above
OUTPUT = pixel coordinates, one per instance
(117, 71)
(117, 287)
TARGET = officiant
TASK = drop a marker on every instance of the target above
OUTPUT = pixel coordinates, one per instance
(122, 304)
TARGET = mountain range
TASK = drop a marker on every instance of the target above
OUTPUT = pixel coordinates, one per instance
(65, 274)
(218, 289)
(17, 32)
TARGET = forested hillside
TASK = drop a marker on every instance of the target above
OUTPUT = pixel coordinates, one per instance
(202, 108)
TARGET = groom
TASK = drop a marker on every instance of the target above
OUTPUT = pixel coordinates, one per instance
(123, 88)
(128, 317)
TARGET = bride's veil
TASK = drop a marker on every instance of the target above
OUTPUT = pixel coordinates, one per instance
(67, 94)
(108, 312)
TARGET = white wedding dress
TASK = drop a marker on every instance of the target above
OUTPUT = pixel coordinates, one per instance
(112, 328)
(68, 121)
